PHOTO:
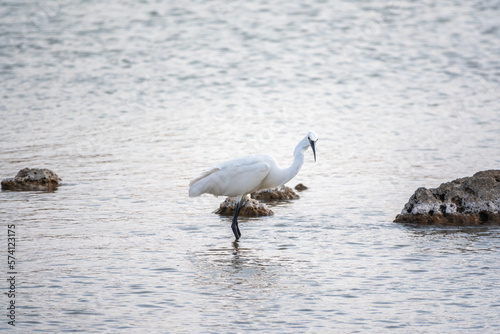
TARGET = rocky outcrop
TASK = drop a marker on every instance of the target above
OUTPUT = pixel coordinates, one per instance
(32, 179)
(467, 201)
(252, 208)
(300, 187)
(276, 194)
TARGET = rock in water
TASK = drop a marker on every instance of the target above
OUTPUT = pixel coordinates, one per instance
(32, 179)
(276, 194)
(467, 201)
(300, 187)
(252, 208)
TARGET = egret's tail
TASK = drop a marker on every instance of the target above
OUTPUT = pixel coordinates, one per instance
(197, 186)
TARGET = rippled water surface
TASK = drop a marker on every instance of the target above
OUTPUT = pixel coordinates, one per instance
(127, 101)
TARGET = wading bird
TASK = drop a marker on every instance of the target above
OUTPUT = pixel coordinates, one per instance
(242, 176)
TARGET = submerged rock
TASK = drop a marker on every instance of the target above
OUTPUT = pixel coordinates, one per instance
(252, 208)
(300, 187)
(32, 179)
(276, 194)
(466, 201)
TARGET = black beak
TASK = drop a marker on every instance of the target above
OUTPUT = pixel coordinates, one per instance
(314, 150)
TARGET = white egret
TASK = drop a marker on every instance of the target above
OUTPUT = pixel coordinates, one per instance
(242, 176)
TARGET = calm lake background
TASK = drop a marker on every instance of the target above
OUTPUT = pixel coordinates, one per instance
(127, 101)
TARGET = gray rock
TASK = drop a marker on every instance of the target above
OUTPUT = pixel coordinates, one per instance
(300, 187)
(466, 201)
(32, 179)
(252, 208)
(277, 194)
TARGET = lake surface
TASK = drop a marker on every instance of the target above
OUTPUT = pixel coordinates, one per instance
(127, 101)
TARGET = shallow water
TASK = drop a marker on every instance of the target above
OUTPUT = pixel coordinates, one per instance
(129, 101)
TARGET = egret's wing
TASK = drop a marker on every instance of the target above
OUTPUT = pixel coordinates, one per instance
(243, 179)
(246, 160)
(233, 178)
(200, 185)
(203, 175)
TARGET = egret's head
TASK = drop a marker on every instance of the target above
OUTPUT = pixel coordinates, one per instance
(313, 138)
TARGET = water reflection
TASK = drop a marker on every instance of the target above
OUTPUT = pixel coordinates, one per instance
(236, 268)
(462, 239)
(237, 261)
(475, 231)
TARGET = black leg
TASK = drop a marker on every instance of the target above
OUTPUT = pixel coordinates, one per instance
(234, 225)
(242, 203)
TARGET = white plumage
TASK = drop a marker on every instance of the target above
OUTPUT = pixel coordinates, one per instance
(242, 176)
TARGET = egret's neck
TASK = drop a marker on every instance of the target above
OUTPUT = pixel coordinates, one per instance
(290, 172)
